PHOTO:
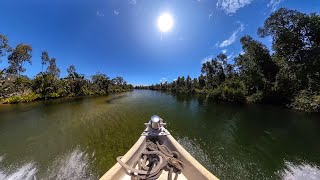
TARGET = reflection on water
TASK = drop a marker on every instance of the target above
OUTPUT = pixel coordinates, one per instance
(80, 138)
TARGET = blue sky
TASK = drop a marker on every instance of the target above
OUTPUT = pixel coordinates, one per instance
(121, 37)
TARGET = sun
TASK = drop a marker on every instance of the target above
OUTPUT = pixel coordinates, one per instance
(165, 22)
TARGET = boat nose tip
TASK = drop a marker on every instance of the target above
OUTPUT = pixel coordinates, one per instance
(155, 122)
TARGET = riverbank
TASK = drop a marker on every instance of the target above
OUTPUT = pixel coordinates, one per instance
(31, 97)
(304, 102)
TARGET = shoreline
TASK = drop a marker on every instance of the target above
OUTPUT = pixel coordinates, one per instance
(2, 103)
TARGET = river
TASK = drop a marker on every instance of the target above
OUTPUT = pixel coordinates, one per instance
(80, 138)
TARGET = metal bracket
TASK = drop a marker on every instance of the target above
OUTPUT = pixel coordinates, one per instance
(162, 131)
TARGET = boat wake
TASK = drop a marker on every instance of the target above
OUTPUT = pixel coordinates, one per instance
(74, 165)
(300, 172)
(25, 172)
(196, 151)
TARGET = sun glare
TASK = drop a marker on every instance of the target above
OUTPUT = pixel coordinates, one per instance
(165, 22)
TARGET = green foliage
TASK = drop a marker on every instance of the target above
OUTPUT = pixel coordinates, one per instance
(306, 101)
(20, 55)
(231, 90)
(24, 98)
(256, 97)
(16, 88)
(4, 46)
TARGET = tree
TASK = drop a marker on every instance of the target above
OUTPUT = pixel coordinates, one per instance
(213, 71)
(71, 70)
(20, 55)
(202, 82)
(4, 47)
(188, 83)
(44, 59)
(52, 68)
(255, 65)
(76, 82)
(195, 84)
(102, 82)
(118, 81)
(296, 43)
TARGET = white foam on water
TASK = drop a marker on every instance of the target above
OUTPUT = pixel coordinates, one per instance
(72, 166)
(25, 172)
(1, 158)
(300, 172)
(195, 150)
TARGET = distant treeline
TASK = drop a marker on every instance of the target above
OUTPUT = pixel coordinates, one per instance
(47, 84)
(289, 75)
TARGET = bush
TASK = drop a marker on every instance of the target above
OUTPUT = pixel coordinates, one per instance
(256, 97)
(306, 101)
(22, 98)
(231, 90)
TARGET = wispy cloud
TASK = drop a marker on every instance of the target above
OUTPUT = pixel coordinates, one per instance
(100, 14)
(230, 56)
(115, 12)
(217, 44)
(210, 15)
(163, 80)
(233, 37)
(231, 6)
(133, 2)
(224, 51)
(274, 4)
(206, 59)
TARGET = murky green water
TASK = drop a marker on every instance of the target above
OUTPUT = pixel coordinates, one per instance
(80, 138)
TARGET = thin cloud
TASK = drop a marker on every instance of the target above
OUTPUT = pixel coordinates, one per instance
(163, 80)
(231, 6)
(233, 37)
(224, 51)
(217, 44)
(210, 15)
(230, 56)
(115, 12)
(206, 59)
(274, 4)
(99, 13)
(133, 2)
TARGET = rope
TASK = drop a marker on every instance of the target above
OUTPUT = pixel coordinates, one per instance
(152, 161)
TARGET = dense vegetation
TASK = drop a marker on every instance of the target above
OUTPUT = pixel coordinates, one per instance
(47, 84)
(289, 75)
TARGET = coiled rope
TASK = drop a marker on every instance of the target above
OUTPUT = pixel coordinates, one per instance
(152, 161)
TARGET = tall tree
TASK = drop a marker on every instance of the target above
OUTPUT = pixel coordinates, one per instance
(52, 68)
(44, 59)
(4, 46)
(296, 43)
(255, 65)
(102, 82)
(119, 81)
(20, 55)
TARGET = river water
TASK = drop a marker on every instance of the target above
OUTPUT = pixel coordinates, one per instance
(80, 138)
